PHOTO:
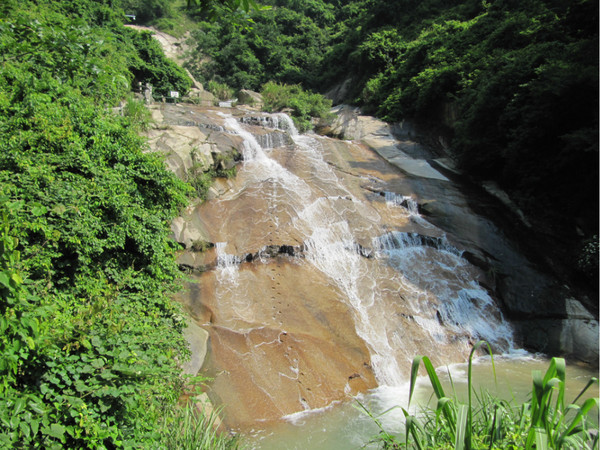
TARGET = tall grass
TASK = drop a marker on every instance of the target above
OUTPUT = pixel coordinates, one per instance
(486, 422)
(189, 429)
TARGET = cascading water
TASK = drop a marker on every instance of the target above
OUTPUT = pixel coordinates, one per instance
(324, 284)
(227, 264)
(464, 306)
(453, 309)
(372, 283)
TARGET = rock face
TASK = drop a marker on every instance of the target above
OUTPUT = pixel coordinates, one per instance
(197, 338)
(308, 337)
(192, 147)
(250, 98)
(406, 153)
(543, 311)
(300, 309)
(340, 92)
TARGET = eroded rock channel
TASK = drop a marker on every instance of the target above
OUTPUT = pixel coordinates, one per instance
(321, 278)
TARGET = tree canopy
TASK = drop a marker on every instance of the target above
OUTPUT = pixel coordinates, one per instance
(89, 338)
(512, 84)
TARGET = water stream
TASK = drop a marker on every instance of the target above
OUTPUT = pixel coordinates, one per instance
(297, 336)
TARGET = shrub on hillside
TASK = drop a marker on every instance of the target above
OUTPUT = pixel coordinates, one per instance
(304, 105)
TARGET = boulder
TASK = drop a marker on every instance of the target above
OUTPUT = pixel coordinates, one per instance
(574, 333)
(250, 98)
(197, 338)
(200, 97)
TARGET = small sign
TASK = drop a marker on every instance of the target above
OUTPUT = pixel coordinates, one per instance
(174, 94)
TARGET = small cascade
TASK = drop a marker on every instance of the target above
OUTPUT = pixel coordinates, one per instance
(252, 149)
(227, 103)
(278, 121)
(285, 122)
(407, 202)
(402, 240)
(261, 167)
(227, 264)
(463, 306)
(273, 139)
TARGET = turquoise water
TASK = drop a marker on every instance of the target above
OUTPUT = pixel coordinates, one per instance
(346, 425)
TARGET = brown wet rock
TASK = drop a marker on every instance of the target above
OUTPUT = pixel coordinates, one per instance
(282, 353)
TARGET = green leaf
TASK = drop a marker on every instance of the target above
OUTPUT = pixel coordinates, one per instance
(461, 427)
(35, 426)
(98, 363)
(16, 278)
(80, 386)
(19, 406)
(39, 210)
(30, 342)
(96, 341)
(25, 429)
(541, 439)
(36, 407)
(5, 280)
(56, 430)
(59, 209)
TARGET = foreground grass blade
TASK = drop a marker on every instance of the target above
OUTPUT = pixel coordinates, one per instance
(583, 412)
(461, 427)
(433, 378)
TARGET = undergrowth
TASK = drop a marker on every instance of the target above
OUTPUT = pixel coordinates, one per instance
(487, 422)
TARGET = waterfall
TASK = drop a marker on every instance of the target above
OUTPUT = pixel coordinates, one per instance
(277, 121)
(404, 240)
(464, 307)
(414, 282)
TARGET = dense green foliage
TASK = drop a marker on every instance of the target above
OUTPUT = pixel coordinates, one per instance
(220, 90)
(514, 83)
(90, 341)
(303, 105)
(543, 422)
(284, 45)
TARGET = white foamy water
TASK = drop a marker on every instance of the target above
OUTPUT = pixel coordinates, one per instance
(410, 292)
(261, 166)
(415, 294)
(227, 264)
(464, 306)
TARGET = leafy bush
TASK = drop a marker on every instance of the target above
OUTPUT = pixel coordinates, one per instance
(304, 105)
(147, 11)
(282, 45)
(148, 64)
(137, 113)
(220, 90)
(90, 341)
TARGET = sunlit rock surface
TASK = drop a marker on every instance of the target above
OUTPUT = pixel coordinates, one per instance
(327, 268)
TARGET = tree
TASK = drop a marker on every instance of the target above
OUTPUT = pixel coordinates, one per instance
(212, 9)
